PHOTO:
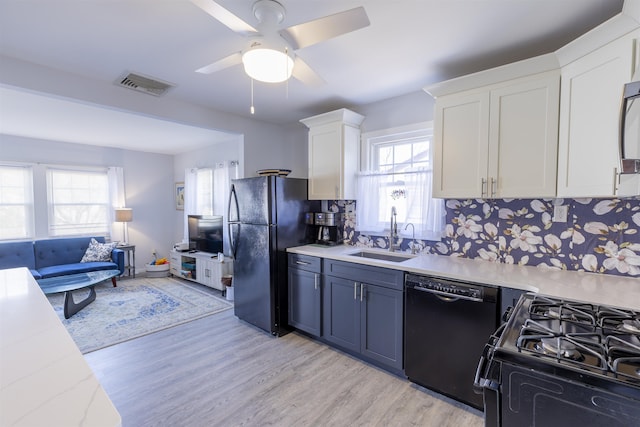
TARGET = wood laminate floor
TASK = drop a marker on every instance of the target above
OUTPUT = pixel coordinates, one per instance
(219, 371)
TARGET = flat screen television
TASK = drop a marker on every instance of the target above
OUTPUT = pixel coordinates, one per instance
(206, 233)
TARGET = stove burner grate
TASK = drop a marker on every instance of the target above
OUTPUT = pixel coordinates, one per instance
(618, 319)
(623, 357)
(546, 308)
(598, 339)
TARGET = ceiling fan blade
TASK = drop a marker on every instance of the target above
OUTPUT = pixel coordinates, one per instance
(305, 74)
(312, 32)
(223, 15)
(229, 61)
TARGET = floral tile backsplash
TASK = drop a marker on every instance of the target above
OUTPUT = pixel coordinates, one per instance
(600, 235)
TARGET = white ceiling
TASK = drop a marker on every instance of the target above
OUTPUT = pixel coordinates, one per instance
(409, 44)
(75, 122)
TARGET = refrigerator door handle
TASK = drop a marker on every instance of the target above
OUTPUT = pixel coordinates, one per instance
(232, 240)
(233, 197)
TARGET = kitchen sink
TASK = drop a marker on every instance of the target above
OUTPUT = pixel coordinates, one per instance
(391, 256)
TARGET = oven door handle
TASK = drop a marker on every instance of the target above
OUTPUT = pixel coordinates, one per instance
(481, 379)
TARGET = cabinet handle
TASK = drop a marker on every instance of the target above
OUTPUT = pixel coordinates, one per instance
(493, 186)
(483, 182)
(355, 290)
(361, 291)
(315, 281)
(616, 181)
(302, 263)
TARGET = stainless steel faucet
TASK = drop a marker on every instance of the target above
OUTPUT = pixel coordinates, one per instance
(393, 232)
(413, 237)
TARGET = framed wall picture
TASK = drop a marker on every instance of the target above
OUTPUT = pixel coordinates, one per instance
(179, 195)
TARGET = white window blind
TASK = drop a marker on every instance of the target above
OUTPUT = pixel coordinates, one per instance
(399, 175)
(16, 202)
(78, 202)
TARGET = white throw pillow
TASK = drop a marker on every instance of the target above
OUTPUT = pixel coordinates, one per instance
(98, 251)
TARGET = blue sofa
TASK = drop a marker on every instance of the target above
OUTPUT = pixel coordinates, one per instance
(56, 257)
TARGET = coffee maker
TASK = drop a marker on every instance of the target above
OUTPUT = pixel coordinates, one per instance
(329, 227)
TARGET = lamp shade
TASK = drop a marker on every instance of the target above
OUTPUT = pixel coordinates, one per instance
(124, 215)
(267, 65)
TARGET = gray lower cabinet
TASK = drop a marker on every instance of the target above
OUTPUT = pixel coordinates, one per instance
(341, 314)
(363, 311)
(305, 294)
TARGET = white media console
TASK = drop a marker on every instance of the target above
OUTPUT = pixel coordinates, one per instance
(200, 267)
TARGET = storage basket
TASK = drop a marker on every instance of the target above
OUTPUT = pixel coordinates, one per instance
(153, 270)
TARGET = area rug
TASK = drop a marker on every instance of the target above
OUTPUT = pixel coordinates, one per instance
(135, 308)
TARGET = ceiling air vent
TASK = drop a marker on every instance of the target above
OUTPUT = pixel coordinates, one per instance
(144, 84)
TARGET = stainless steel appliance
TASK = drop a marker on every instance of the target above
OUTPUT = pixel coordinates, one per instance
(561, 362)
(329, 227)
(266, 216)
(447, 323)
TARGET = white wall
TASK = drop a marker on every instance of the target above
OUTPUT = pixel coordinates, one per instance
(148, 186)
(402, 110)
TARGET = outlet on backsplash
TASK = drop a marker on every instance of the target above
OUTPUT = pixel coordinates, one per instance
(560, 213)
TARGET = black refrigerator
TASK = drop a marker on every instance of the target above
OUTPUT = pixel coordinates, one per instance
(266, 216)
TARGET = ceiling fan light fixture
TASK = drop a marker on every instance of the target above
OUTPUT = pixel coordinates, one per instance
(267, 65)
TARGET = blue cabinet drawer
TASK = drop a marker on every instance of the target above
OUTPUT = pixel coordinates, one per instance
(364, 273)
(305, 262)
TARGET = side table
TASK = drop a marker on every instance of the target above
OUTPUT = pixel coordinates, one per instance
(130, 261)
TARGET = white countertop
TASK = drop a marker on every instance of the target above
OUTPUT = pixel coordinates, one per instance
(44, 379)
(589, 287)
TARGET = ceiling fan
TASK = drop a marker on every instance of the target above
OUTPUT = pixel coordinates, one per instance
(269, 55)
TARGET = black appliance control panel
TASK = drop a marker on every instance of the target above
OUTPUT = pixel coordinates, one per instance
(445, 287)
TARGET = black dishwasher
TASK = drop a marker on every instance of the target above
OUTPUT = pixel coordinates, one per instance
(447, 324)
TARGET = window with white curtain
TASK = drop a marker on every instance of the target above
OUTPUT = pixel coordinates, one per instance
(398, 173)
(204, 192)
(207, 192)
(16, 202)
(79, 202)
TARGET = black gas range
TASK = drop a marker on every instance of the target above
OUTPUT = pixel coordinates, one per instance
(560, 362)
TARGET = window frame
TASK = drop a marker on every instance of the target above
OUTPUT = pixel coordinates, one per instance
(370, 142)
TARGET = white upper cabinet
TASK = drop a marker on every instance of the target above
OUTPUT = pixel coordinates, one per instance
(498, 141)
(334, 147)
(461, 145)
(591, 98)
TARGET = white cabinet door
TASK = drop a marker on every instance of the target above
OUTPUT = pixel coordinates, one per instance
(461, 145)
(204, 272)
(523, 138)
(334, 148)
(591, 96)
(209, 271)
(325, 162)
(498, 141)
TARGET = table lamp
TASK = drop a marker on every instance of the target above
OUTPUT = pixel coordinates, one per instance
(124, 215)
